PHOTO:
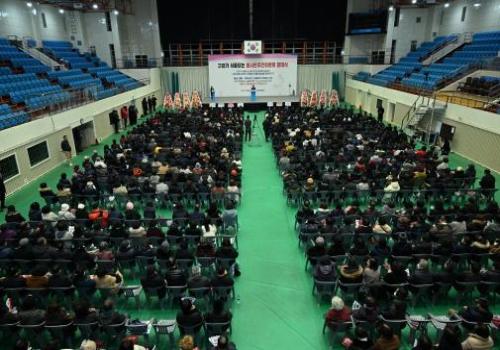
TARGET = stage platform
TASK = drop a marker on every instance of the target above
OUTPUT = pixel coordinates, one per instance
(259, 99)
(259, 103)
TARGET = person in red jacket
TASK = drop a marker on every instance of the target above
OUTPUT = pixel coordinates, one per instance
(338, 312)
(124, 116)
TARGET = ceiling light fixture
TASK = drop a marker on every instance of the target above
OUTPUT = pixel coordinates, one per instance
(116, 13)
(61, 11)
(391, 8)
(477, 4)
(95, 6)
(446, 5)
(29, 4)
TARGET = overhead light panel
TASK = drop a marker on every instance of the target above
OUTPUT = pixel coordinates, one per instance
(61, 11)
(391, 8)
(116, 13)
(29, 4)
(477, 4)
(95, 6)
(446, 5)
(413, 1)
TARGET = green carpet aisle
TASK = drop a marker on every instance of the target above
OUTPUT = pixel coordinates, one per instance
(277, 310)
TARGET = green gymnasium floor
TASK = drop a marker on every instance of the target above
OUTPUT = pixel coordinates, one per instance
(274, 308)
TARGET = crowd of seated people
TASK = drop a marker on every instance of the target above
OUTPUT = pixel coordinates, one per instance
(103, 228)
(387, 226)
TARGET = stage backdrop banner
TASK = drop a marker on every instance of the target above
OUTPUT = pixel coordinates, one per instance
(234, 75)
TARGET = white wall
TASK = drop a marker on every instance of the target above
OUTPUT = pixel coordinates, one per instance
(18, 19)
(140, 33)
(408, 29)
(97, 35)
(363, 45)
(477, 19)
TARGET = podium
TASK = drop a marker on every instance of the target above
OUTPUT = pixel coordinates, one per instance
(253, 95)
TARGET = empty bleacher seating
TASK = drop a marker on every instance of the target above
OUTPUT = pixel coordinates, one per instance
(26, 85)
(410, 63)
(483, 46)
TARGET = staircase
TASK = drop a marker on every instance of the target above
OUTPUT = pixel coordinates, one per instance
(424, 118)
(447, 49)
(40, 56)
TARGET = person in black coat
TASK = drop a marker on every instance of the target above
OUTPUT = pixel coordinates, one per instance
(222, 279)
(226, 250)
(13, 216)
(30, 314)
(13, 280)
(422, 275)
(35, 213)
(487, 182)
(145, 106)
(150, 104)
(175, 277)
(450, 339)
(478, 313)
(59, 279)
(132, 115)
(154, 280)
(197, 280)
(188, 317)
(218, 314)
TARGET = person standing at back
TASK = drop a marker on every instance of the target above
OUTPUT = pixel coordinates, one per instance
(66, 149)
(380, 112)
(144, 106)
(487, 183)
(248, 129)
(124, 116)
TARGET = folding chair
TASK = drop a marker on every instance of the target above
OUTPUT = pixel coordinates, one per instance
(212, 329)
(132, 292)
(167, 328)
(324, 289)
(396, 325)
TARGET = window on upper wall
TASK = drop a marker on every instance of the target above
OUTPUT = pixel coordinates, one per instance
(464, 11)
(108, 20)
(38, 153)
(44, 20)
(419, 19)
(396, 17)
(8, 167)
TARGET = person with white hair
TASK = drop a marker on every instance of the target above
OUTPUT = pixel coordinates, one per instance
(338, 311)
(65, 213)
(131, 213)
(99, 163)
(197, 280)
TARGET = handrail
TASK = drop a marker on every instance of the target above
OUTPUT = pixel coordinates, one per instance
(407, 115)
